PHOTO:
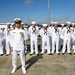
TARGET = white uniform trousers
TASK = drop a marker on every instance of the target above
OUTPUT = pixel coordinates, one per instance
(34, 42)
(73, 43)
(22, 57)
(41, 43)
(25, 47)
(55, 41)
(1, 47)
(66, 41)
(60, 41)
(50, 38)
(45, 40)
(7, 46)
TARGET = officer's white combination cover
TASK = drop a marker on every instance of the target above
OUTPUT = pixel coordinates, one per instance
(17, 19)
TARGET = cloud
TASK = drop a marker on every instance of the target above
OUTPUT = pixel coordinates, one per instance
(28, 2)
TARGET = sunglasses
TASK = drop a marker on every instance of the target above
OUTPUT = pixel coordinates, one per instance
(17, 23)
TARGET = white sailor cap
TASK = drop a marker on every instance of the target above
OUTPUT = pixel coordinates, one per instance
(73, 23)
(44, 25)
(12, 23)
(8, 23)
(22, 23)
(55, 22)
(68, 22)
(33, 22)
(52, 22)
(62, 24)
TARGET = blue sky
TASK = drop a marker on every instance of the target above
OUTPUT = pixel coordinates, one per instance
(28, 10)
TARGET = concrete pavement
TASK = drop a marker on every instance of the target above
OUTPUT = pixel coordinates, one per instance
(41, 65)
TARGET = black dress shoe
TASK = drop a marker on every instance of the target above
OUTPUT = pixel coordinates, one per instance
(37, 54)
(62, 53)
(1, 54)
(41, 54)
(31, 54)
(58, 53)
(74, 53)
(70, 53)
(48, 54)
(18, 54)
(7, 54)
(51, 54)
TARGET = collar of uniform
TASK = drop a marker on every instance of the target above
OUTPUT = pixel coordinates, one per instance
(56, 28)
(17, 28)
(32, 27)
(8, 28)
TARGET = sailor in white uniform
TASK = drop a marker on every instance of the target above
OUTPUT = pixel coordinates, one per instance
(33, 32)
(18, 37)
(67, 38)
(50, 29)
(1, 45)
(55, 38)
(73, 37)
(45, 34)
(3, 39)
(61, 35)
(25, 29)
(8, 37)
(12, 26)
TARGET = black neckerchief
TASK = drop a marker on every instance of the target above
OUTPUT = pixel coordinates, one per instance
(8, 31)
(68, 30)
(34, 29)
(56, 29)
(45, 32)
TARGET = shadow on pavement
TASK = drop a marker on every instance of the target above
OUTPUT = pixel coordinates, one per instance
(33, 60)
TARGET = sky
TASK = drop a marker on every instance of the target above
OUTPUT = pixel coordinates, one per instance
(29, 10)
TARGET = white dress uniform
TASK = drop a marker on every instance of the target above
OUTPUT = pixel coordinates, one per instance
(66, 40)
(45, 34)
(61, 33)
(55, 39)
(50, 30)
(8, 37)
(33, 32)
(3, 40)
(18, 36)
(73, 38)
(61, 37)
(12, 28)
(1, 46)
(26, 40)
